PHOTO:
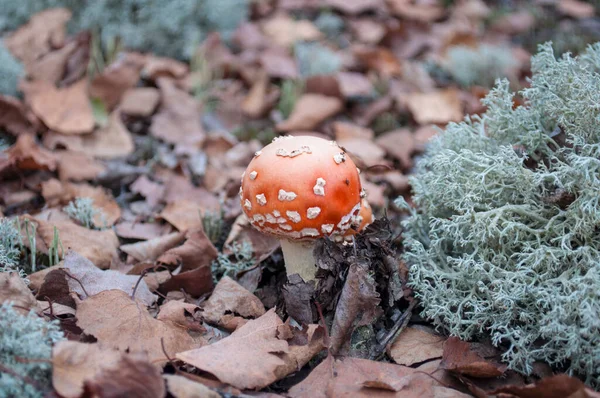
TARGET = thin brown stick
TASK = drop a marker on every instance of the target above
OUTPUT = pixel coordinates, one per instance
(322, 319)
(144, 272)
(398, 327)
(78, 281)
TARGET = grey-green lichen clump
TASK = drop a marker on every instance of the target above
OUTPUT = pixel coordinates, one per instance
(505, 237)
(25, 350)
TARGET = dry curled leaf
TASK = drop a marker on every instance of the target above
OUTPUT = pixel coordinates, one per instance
(178, 118)
(13, 288)
(100, 247)
(92, 280)
(26, 154)
(440, 106)
(151, 249)
(416, 345)
(461, 357)
(66, 110)
(115, 319)
(140, 101)
(44, 31)
(14, 118)
(230, 305)
(248, 358)
(557, 386)
(182, 387)
(285, 31)
(310, 111)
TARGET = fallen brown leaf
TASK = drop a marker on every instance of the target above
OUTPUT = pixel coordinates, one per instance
(379, 59)
(73, 363)
(310, 111)
(441, 106)
(178, 117)
(367, 30)
(182, 387)
(14, 289)
(157, 67)
(196, 282)
(416, 345)
(140, 231)
(398, 143)
(248, 358)
(346, 130)
(140, 101)
(92, 280)
(576, 9)
(100, 247)
(118, 77)
(152, 191)
(151, 249)
(285, 31)
(278, 63)
(196, 252)
(364, 152)
(418, 10)
(353, 85)
(26, 154)
(183, 214)
(120, 322)
(175, 311)
(260, 99)
(358, 305)
(230, 305)
(55, 287)
(557, 386)
(131, 377)
(355, 7)
(461, 357)
(77, 166)
(66, 110)
(14, 118)
(44, 31)
(355, 377)
(51, 67)
(111, 141)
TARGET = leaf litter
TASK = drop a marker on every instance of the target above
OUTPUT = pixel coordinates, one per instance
(159, 145)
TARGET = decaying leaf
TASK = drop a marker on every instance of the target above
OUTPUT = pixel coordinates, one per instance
(358, 305)
(196, 252)
(14, 289)
(123, 74)
(355, 377)
(26, 154)
(151, 249)
(182, 387)
(77, 166)
(557, 386)
(44, 31)
(310, 111)
(91, 280)
(65, 110)
(178, 117)
(416, 345)
(118, 321)
(14, 118)
(441, 106)
(248, 358)
(230, 305)
(286, 31)
(100, 247)
(141, 101)
(461, 357)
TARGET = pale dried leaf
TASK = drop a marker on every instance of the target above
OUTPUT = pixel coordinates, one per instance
(181, 387)
(416, 345)
(140, 101)
(248, 358)
(310, 111)
(120, 322)
(230, 305)
(285, 31)
(94, 280)
(151, 249)
(66, 110)
(14, 289)
(441, 106)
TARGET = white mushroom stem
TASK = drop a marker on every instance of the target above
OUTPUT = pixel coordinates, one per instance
(299, 258)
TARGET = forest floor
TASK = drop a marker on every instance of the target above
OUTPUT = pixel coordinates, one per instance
(121, 171)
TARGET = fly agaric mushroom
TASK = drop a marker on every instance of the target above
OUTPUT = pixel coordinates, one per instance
(300, 189)
(363, 220)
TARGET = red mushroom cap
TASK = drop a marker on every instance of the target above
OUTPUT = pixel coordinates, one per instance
(301, 188)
